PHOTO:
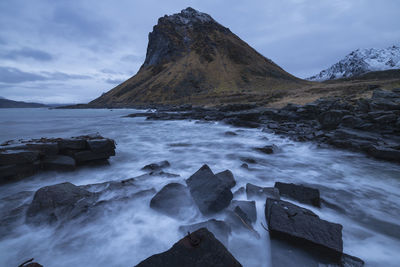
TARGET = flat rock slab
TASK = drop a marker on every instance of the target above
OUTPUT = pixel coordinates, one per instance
(301, 226)
(210, 193)
(300, 193)
(220, 229)
(173, 200)
(199, 249)
(59, 162)
(9, 157)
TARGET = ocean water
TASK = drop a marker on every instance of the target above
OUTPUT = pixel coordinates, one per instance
(366, 190)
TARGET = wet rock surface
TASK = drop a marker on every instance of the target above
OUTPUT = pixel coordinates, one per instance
(19, 159)
(210, 193)
(220, 229)
(174, 200)
(200, 248)
(300, 193)
(303, 228)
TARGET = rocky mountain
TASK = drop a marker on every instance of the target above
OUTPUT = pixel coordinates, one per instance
(6, 103)
(362, 61)
(191, 58)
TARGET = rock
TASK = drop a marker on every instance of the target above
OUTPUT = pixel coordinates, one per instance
(59, 162)
(230, 133)
(385, 153)
(45, 148)
(300, 193)
(29, 263)
(248, 160)
(53, 203)
(240, 191)
(72, 143)
(209, 193)
(245, 166)
(301, 226)
(101, 145)
(379, 93)
(219, 228)
(226, 178)
(331, 119)
(198, 249)
(87, 155)
(173, 200)
(254, 191)
(269, 149)
(9, 157)
(247, 207)
(156, 166)
(242, 123)
(16, 171)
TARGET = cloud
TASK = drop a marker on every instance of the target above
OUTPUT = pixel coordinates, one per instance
(26, 52)
(14, 75)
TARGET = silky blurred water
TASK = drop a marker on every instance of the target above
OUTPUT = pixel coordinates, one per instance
(366, 189)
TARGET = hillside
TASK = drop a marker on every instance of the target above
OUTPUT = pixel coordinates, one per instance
(6, 103)
(193, 59)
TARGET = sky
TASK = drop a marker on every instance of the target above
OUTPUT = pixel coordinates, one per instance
(72, 51)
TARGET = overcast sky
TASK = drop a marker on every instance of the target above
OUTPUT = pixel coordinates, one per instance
(67, 51)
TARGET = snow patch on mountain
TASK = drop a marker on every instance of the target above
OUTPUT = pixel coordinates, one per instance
(362, 61)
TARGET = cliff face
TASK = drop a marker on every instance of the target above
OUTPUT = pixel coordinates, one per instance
(193, 59)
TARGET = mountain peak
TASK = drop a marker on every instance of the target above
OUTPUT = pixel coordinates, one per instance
(361, 61)
(189, 16)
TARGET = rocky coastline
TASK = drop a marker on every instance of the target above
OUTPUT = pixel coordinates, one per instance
(370, 126)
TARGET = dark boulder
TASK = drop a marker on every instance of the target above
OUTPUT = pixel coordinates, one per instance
(269, 149)
(87, 156)
(220, 229)
(156, 166)
(300, 193)
(72, 143)
(385, 153)
(302, 227)
(53, 203)
(226, 178)
(10, 157)
(230, 133)
(173, 200)
(198, 249)
(331, 118)
(254, 191)
(210, 193)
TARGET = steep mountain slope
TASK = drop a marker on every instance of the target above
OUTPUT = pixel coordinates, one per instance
(6, 103)
(361, 61)
(193, 59)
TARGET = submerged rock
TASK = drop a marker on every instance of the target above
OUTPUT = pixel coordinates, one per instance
(174, 200)
(300, 193)
(156, 166)
(247, 210)
(197, 249)
(301, 226)
(269, 149)
(210, 193)
(55, 202)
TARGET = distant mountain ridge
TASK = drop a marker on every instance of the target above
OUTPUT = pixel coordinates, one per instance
(361, 61)
(7, 103)
(192, 59)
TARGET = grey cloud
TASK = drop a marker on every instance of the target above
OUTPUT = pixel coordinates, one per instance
(12, 75)
(132, 58)
(27, 52)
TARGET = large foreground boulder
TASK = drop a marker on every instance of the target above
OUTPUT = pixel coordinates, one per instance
(198, 249)
(53, 203)
(300, 193)
(210, 193)
(173, 200)
(297, 225)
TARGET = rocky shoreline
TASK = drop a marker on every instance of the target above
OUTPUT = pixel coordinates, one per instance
(370, 126)
(23, 158)
(291, 227)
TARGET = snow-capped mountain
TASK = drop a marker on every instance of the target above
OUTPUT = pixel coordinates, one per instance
(362, 61)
